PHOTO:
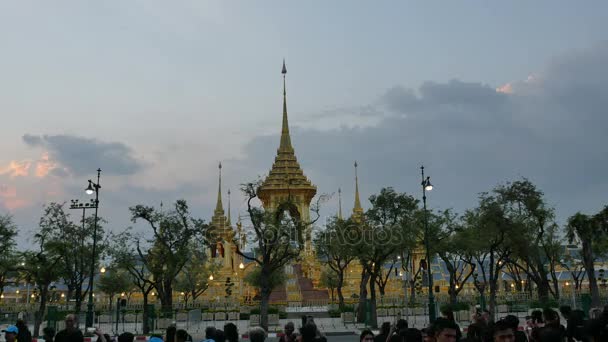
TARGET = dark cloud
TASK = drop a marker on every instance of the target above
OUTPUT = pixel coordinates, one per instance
(82, 155)
(551, 129)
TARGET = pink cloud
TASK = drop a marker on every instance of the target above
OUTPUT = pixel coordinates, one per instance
(506, 89)
(44, 165)
(16, 168)
(8, 198)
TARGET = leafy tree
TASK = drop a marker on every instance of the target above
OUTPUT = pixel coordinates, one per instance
(534, 245)
(278, 240)
(167, 251)
(125, 254)
(335, 246)
(387, 229)
(114, 282)
(254, 278)
(193, 279)
(594, 240)
(329, 279)
(488, 229)
(75, 243)
(41, 266)
(8, 256)
(454, 249)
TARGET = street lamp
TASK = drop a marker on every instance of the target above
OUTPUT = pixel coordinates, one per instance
(241, 266)
(427, 186)
(93, 188)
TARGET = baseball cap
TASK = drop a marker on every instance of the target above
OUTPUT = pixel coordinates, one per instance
(156, 339)
(11, 329)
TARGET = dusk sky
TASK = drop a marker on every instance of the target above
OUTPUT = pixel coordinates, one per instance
(156, 93)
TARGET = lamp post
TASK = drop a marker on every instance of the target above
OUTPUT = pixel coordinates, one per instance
(426, 186)
(93, 188)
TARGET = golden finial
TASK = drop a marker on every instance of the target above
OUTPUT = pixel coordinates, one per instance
(357, 210)
(219, 206)
(228, 219)
(285, 138)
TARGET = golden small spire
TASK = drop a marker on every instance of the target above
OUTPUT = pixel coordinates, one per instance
(285, 138)
(357, 210)
(218, 206)
(339, 203)
(228, 218)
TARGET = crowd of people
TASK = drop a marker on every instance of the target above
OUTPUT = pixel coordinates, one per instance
(540, 326)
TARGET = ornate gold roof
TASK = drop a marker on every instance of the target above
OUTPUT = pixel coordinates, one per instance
(286, 175)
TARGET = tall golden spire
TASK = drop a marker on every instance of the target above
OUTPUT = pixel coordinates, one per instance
(228, 218)
(339, 203)
(219, 208)
(285, 138)
(357, 209)
(286, 175)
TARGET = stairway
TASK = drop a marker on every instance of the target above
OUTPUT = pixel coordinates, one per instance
(307, 290)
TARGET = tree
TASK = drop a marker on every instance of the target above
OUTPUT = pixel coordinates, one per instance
(192, 281)
(487, 230)
(329, 279)
(279, 238)
(388, 228)
(168, 248)
(8, 256)
(335, 246)
(594, 240)
(534, 244)
(125, 253)
(41, 267)
(456, 252)
(75, 243)
(114, 281)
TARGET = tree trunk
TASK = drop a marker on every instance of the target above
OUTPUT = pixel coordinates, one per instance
(492, 301)
(374, 315)
(339, 290)
(39, 316)
(78, 302)
(542, 289)
(265, 290)
(166, 296)
(589, 267)
(145, 314)
(453, 295)
(362, 296)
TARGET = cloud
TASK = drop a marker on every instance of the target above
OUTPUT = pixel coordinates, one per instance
(9, 199)
(551, 128)
(16, 168)
(81, 155)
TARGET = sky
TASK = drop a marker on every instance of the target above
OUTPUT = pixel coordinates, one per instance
(157, 93)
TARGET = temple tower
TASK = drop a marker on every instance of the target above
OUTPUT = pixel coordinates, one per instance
(286, 180)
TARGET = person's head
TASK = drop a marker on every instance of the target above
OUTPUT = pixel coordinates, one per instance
(550, 334)
(411, 335)
(308, 332)
(401, 324)
(475, 332)
(385, 329)
(70, 322)
(596, 330)
(210, 333)
(448, 314)
(395, 338)
(502, 331)
(512, 321)
(427, 335)
(231, 332)
(219, 336)
(444, 330)
(21, 324)
(551, 317)
(537, 317)
(181, 335)
(10, 333)
(48, 334)
(170, 333)
(565, 310)
(366, 336)
(126, 337)
(257, 334)
(485, 316)
(289, 328)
